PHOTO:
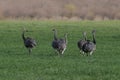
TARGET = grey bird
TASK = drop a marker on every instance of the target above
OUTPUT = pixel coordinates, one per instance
(59, 44)
(90, 46)
(28, 42)
(81, 42)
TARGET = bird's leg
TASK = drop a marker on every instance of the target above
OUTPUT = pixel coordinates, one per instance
(56, 52)
(63, 51)
(80, 51)
(60, 53)
(91, 52)
(83, 53)
(30, 50)
(87, 54)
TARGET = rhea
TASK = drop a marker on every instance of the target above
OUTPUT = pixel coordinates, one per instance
(59, 44)
(28, 42)
(81, 42)
(90, 46)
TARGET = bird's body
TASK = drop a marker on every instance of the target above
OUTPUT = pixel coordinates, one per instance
(59, 44)
(55, 44)
(28, 42)
(82, 42)
(90, 46)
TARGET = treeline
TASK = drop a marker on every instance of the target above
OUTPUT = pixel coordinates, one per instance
(61, 9)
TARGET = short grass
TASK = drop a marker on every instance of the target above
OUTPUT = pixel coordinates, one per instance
(44, 64)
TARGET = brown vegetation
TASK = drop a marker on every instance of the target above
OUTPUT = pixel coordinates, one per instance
(60, 9)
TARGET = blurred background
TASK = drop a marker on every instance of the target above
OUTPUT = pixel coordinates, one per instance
(60, 9)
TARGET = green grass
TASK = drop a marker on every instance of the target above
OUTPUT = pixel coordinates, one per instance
(44, 64)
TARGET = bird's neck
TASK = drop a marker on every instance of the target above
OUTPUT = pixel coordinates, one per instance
(55, 33)
(94, 41)
(66, 38)
(85, 37)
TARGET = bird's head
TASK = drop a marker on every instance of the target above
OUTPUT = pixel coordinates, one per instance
(24, 30)
(53, 29)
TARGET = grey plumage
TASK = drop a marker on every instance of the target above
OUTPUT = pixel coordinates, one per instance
(59, 44)
(82, 42)
(28, 42)
(90, 46)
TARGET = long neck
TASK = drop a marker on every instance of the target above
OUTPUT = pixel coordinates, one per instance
(23, 36)
(85, 37)
(66, 38)
(94, 41)
(55, 33)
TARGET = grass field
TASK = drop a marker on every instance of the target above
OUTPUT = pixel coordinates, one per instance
(44, 64)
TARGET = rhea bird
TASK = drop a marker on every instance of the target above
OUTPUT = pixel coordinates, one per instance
(28, 42)
(90, 46)
(59, 44)
(81, 42)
